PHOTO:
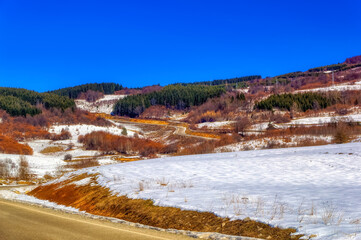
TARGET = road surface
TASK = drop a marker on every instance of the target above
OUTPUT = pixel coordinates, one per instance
(21, 221)
(178, 130)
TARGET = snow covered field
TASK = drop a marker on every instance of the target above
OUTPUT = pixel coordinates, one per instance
(38, 165)
(322, 120)
(314, 189)
(82, 129)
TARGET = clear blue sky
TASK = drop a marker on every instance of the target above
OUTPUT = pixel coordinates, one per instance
(50, 44)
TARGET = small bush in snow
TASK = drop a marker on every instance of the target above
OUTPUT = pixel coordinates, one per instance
(24, 171)
(6, 168)
(68, 157)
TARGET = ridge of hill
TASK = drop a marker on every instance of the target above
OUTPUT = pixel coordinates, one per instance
(73, 92)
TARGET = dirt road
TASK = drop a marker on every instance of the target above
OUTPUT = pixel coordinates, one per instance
(20, 221)
(178, 129)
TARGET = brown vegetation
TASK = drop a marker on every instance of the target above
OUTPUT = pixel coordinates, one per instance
(91, 96)
(109, 143)
(9, 170)
(75, 116)
(24, 171)
(335, 129)
(64, 135)
(101, 201)
(156, 112)
(353, 60)
(217, 109)
(135, 91)
(10, 146)
(29, 128)
(52, 149)
(82, 163)
(241, 125)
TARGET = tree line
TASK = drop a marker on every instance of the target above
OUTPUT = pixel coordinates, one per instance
(22, 102)
(302, 101)
(224, 81)
(177, 96)
(74, 92)
(333, 67)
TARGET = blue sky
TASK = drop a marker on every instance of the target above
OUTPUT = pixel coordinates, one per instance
(46, 45)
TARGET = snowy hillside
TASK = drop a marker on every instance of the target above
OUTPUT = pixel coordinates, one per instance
(103, 105)
(339, 87)
(314, 189)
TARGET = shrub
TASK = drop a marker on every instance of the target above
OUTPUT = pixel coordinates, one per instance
(64, 135)
(278, 118)
(202, 148)
(218, 109)
(91, 96)
(22, 131)
(124, 131)
(341, 136)
(155, 112)
(10, 146)
(24, 171)
(241, 125)
(68, 157)
(109, 143)
(7, 166)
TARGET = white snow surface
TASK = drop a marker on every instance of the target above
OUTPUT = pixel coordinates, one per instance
(103, 105)
(314, 189)
(309, 121)
(82, 129)
(326, 119)
(38, 165)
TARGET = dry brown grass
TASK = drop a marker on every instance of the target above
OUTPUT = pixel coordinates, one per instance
(100, 201)
(83, 163)
(124, 159)
(52, 149)
(202, 134)
(149, 121)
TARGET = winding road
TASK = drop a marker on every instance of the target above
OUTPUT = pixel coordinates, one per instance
(21, 221)
(178, 129)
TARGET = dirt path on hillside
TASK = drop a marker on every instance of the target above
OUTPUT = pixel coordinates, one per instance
(178, 129)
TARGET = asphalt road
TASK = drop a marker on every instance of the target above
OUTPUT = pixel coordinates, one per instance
(21, 221)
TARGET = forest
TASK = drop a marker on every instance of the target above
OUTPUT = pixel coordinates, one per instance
(22, 102)
(333, 67)
(177, 96)
(301, 101)
(225, 81)
(74, 92)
